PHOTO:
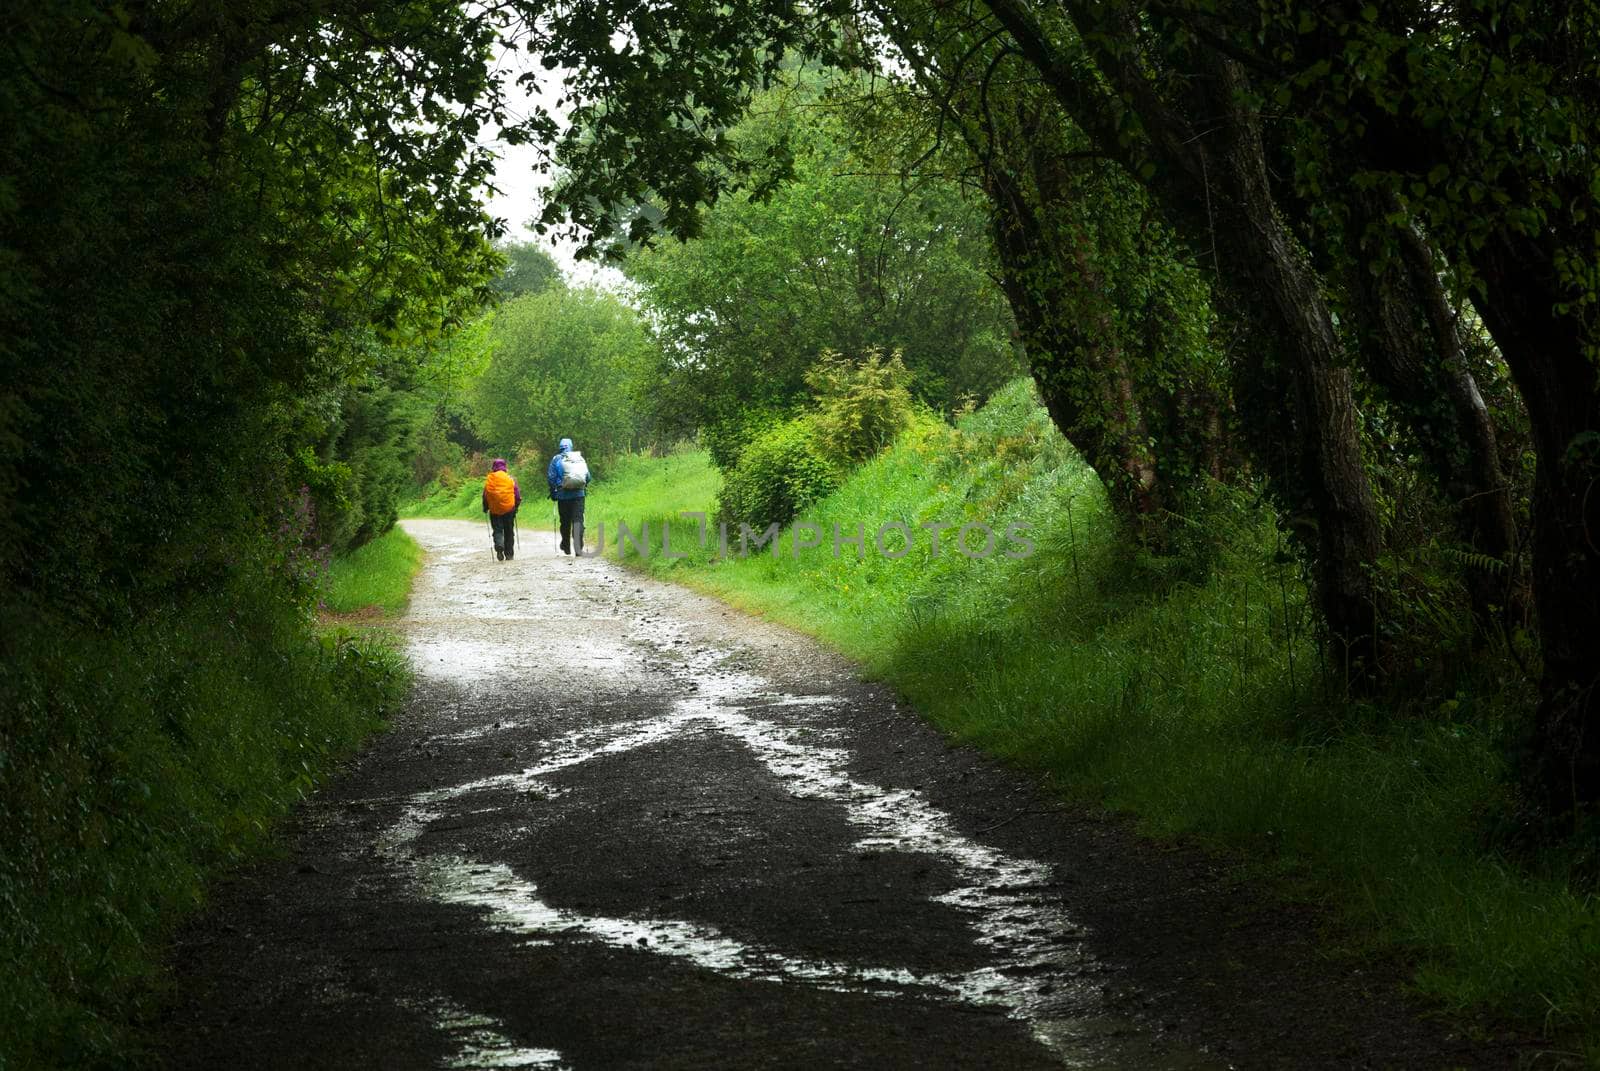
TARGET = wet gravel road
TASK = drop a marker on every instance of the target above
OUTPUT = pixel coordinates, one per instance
(624, 826)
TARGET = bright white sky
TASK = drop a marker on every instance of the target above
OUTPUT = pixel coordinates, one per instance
(521, 186)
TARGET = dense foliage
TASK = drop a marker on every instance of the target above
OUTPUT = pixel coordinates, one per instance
(529, 269)
(847, 255)
(860, 405)
(779, 473)
(566, 363)
(231, 240)
(857, 409)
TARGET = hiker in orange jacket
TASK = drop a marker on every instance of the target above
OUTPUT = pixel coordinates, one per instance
(501, 497)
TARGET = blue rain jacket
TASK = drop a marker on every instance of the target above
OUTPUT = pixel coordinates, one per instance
(554, 475)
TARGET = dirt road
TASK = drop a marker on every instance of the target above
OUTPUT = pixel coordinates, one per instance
(623, 826)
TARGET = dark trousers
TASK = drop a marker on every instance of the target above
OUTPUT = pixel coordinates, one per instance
(571, 513)
(505, 531)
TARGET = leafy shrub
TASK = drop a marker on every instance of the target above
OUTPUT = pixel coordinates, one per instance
(528, 466)
(356, 459)
(435, 452)
(861, 405)
(136, 760)
(471, 469)
(779, 474)
(331, 486)
(775, 469)
(725, 438)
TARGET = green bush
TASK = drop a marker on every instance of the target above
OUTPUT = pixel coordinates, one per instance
(435, 453)
(356, 462)
(136, 760)
(861, 405)
(779, 474)
(725, 438)
(774, 470)
(334, 496)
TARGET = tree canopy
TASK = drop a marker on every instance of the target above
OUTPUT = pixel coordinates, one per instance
(566, 363)
(852, 253)
(529, 269)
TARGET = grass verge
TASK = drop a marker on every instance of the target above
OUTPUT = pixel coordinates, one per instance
(140, 761)
(461, 502)
(1186, 691)
(378, 574)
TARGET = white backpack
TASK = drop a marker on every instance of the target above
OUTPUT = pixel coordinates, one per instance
(574, 471)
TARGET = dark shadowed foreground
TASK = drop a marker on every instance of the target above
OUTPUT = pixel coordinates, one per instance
(623, 826)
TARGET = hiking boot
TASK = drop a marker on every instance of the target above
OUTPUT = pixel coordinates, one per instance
(565, 549)
(499, 555)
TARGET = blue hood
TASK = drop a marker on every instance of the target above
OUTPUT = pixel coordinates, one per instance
(565, 445)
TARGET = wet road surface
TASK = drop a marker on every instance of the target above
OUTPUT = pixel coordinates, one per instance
(623, 826)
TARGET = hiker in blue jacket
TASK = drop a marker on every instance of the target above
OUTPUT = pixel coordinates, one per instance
(567, 468)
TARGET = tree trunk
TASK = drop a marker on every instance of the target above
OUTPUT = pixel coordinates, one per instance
(1533, 315)
(1560, 384)
(1213, 179)
(1525, 304)
(1484, 481)
(1082, 375)
(1268, 259)
(1413, 349)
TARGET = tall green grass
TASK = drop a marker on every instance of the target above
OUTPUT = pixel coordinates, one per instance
(461, 502)
(135, 762)
(640, 488)
(1186, 690)
(378, 573)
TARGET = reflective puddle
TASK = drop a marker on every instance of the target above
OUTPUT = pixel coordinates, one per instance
(480, 1045)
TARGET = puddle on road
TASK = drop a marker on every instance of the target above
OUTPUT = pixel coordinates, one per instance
(477, 666)
(1036, 949)
(461, 661)
(514, 904)
(480, 1043)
